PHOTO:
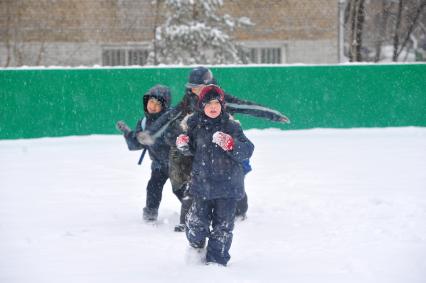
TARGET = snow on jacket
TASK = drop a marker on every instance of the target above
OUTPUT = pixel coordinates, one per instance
(217, 173)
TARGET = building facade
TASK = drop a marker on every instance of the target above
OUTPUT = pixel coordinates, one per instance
(119, 32)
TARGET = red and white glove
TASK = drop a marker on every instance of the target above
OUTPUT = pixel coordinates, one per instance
(182, 142)
(225, 141)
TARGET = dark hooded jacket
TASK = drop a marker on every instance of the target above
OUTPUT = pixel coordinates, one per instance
(159, 151)
(216, 173)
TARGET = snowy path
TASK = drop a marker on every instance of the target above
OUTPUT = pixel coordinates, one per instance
(325, 206)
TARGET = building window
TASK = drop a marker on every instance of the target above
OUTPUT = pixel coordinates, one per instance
(137, 57)
(253, 55)
(124, 57)
(114, 57)
(263, 55)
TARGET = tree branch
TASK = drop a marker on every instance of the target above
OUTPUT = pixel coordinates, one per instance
(396, 35)
(412, 27)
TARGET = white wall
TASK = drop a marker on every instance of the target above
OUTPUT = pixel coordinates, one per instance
(56, 54)
(312, 52)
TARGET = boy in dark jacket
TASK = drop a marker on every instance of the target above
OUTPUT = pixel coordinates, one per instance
(155, 102)
(219, 147)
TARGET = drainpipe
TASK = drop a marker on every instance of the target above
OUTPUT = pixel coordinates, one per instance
(341, 28)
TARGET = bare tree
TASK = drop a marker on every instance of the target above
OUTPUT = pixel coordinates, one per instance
(356, 17)
(412, 19)
(397, 31)
(382, 28)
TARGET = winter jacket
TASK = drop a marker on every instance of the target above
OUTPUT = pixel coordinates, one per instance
(216, 173)
(159, 151)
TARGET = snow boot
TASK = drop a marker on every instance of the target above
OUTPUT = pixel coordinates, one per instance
(180, 228)
(150, 214)
(215, 264)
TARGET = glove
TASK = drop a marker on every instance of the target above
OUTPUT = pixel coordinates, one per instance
(121, 126)
(225, 141)
(284, 119)
(145, 138)
(182, 142)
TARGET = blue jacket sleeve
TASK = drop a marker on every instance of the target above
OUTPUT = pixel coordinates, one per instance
(243, 147)
(236, 105)
(131, 140)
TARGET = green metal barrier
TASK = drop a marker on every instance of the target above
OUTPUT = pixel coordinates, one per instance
(62, 102)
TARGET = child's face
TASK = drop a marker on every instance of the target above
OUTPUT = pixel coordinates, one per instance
(153, 106)
(212, 108)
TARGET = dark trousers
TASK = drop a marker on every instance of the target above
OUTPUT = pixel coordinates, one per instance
(242, 206)
(154, 189)
(220, 214)
(180, 175)
(186, 201)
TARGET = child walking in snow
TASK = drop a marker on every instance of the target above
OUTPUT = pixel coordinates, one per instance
(155, 102)
(219, 147)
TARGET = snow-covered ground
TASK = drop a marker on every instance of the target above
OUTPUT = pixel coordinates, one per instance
(325, 206)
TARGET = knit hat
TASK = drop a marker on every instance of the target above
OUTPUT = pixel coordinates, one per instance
(211, 92)
(200, 76)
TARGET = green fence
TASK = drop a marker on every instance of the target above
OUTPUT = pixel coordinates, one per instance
(62, 102)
